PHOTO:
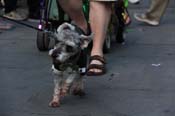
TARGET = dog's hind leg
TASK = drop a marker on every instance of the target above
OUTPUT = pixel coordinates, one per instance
(57, 90)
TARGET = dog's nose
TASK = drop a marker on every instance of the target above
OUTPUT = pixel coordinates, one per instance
(55, 54)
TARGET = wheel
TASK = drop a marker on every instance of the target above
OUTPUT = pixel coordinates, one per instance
(107, 43)
(42, 41)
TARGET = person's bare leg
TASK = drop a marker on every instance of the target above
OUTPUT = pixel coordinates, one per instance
(74, 9)
(100, 13)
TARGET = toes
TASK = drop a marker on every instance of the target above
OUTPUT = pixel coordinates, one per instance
(95, 70)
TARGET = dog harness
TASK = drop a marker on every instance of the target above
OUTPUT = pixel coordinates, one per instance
(73, 62)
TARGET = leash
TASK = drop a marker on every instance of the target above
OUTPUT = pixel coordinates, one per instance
(21, 23)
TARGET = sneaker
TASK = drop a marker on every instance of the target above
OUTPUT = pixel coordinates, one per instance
(142, 18)
(14, 16)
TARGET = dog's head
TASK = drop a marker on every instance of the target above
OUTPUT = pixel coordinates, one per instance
(69, 43)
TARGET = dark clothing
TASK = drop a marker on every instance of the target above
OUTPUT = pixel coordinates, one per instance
(34, 8)
(10, 5)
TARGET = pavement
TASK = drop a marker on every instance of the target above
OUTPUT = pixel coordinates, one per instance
(140, 79)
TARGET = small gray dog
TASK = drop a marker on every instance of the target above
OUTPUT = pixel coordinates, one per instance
(65, 56)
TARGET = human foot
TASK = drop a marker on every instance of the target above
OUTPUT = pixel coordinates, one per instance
(96, 66)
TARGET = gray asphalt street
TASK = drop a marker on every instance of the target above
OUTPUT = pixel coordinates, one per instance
(140, 79)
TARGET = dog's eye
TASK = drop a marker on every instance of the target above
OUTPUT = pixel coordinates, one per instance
(69, 49)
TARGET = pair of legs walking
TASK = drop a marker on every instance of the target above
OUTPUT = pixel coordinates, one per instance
(100, 13)
(10, 10)
(154, 13)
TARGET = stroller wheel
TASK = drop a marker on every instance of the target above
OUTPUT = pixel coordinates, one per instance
(107, 43)
(42, 41)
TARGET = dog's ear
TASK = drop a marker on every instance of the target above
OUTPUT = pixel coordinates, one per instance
(85, 40)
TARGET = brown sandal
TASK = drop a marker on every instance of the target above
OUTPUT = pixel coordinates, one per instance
(96, 66)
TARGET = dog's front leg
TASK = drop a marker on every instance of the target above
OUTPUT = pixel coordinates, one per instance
(79, 87)
(67, 84)
(57, 89)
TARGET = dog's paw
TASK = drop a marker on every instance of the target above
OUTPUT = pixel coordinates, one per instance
(54, 104)
(78, 92)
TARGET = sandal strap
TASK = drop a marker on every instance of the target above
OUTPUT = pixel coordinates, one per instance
(99, 58)
(96, 66)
